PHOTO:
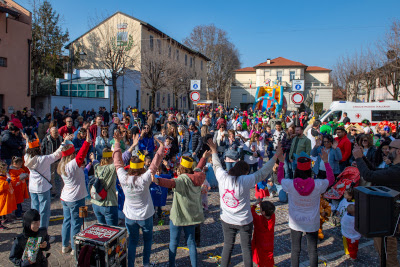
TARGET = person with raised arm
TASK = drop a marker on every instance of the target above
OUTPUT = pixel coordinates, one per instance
(234, 190)
(138, 205)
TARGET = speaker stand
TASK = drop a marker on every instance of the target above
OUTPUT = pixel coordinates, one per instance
(383, 252)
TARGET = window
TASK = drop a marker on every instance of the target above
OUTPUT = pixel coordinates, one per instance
(335, 115)
(159, 45)
(82, 90)
(201, 65)
(158, 99)
(177, 54)
(244, 98)
(385, 115)
(191, 61)
(3, 62)
(292, 75)
(100, 91)
(169, 51)
(185, 60)
(279, 76)
(151, 43)
(169, 100)
(194, 63)
(64, 89)
(122, 38)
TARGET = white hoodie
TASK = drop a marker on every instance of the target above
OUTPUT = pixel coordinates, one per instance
(41, 164)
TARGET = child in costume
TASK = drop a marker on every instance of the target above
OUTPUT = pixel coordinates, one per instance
(350, 235)
(325, 212)
(18, 174)
(262, 243)
(31, 223)
(348, 199)
(7, 197)
(158, 193)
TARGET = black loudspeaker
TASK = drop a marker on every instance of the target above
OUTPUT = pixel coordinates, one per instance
(376, 210)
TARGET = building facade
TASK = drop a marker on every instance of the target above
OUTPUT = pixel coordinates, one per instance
(145, 39)
(316, 80)
(90, 89)
(15, 56)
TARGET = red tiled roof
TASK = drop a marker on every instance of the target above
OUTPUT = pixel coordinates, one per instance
(280, 62)
(316, 68)
(247, 69)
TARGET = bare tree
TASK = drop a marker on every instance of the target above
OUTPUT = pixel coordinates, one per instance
(389, 47)
(349, 74)
(112, 48)
(214, 43)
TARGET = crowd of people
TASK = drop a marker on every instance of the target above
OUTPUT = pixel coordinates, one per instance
(125, 164)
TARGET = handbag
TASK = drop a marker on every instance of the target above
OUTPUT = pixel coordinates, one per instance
(232, 154)
(96, 188)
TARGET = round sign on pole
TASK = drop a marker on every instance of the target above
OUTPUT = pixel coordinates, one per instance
(195, 96)
(297, 98)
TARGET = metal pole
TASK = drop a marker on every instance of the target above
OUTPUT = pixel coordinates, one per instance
(383, 252)
(71, 55)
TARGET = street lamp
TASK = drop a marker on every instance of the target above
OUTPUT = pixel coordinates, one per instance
(82, 56)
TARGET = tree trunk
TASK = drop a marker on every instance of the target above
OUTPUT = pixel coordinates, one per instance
(176, 101)
(115, 92)
(153, 99)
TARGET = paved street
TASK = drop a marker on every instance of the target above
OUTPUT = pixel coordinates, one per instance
(330, 249)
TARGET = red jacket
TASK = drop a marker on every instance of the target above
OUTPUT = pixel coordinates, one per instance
(93, 132)
(345, 147)
(64, 130)
(262, 244)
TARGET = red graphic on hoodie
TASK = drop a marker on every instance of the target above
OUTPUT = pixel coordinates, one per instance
(229, 199)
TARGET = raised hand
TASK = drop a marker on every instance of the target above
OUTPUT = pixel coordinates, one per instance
(212, 145)
(324, 155)
(88, 138)
(117, 136)
(357, 151)
(207, 154)
(279, 153)
(25, 136)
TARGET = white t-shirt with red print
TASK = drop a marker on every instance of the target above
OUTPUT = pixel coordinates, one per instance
(234, 192)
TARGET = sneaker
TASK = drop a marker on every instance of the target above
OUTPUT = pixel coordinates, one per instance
(72, 252)
(65, 250)
(52, 239)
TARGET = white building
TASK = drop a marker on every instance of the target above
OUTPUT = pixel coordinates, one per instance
(91, 89)
(316, 79)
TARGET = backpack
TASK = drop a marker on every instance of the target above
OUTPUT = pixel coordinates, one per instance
(96, 188)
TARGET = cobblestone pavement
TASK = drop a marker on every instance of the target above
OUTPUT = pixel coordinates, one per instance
(330, 250)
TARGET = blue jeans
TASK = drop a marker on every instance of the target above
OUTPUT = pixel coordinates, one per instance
(72, 223)
(253, 167)
(174, 236)
(281, 193)
(106, 215)
(133, 230)
(229, 165)
(288, 169)
(41, 203)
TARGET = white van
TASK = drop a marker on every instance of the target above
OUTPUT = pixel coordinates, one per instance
(375, 112)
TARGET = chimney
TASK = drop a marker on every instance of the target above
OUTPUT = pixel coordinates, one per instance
(268, 61)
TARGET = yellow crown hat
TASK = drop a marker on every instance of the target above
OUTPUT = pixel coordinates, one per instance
(136, 166)
(187, 162)
(107, 155)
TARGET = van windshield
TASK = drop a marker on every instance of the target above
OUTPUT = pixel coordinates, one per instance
(326, 112)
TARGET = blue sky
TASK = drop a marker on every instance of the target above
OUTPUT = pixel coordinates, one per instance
(315, 33)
